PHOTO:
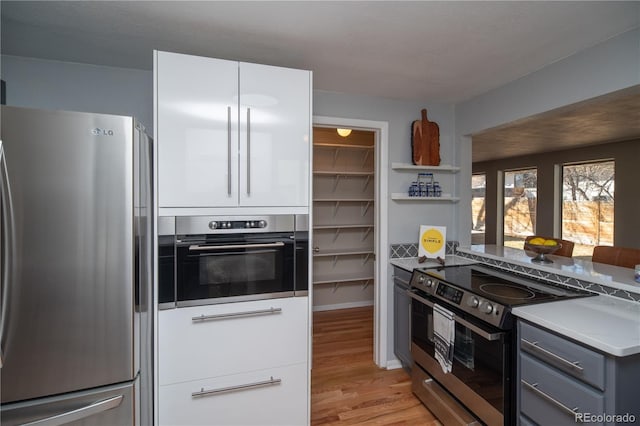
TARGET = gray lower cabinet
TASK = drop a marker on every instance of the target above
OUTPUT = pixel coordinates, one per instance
(562, 382)
(402, 316)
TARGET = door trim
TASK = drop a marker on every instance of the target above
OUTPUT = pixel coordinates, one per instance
(381, 296)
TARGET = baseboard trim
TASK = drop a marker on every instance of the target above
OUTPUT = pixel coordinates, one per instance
(360, 304)
(394, 364)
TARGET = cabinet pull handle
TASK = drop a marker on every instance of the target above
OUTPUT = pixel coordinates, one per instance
(534, 388)
(535, 347)
(229, 150)
(216, 317)
(211, 392)
(248, 151)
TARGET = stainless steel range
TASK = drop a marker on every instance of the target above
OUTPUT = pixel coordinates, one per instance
(480, 387)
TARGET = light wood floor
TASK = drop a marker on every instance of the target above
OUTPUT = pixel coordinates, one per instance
(347, 387)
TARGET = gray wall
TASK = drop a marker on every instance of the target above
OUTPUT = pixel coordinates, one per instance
(44, 84)
(607, 67)
(627, 176)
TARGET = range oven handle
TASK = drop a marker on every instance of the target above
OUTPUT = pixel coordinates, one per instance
(204, 247)
(479, 331)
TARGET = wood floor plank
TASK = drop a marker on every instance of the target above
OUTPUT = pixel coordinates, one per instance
(347, 388)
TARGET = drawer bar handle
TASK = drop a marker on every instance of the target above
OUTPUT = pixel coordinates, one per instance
(211, 392)
(535, 347)
(237, 315)
(534, 388)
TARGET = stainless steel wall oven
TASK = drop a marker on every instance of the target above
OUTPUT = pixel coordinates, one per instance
(220, 259)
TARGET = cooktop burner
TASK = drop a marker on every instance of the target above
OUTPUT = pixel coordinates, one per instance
(507, 291)
(486, 293)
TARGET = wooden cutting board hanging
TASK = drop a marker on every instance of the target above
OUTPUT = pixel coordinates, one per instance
(425, 142)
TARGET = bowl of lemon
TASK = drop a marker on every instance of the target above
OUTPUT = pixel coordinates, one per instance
(542, 247)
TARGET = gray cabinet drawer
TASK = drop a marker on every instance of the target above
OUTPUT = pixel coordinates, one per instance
(573, 359)
(403, 275)
(549, 397)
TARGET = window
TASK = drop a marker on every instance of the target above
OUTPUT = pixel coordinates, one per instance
(478, 192)
(520, 203)
(587, 205)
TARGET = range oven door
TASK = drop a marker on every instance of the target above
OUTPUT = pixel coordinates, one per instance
(480, 376)
(234, 267)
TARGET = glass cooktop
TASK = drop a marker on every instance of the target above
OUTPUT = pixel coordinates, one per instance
(504, 288)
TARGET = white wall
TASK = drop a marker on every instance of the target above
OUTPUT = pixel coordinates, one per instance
(607, 67)
(45, 84)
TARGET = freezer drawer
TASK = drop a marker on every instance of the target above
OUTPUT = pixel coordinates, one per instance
(106, 406)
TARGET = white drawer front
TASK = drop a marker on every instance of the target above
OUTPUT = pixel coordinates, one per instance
(267, 397)
(257, 335)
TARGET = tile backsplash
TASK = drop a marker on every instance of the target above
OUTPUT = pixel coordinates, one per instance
(399, 251)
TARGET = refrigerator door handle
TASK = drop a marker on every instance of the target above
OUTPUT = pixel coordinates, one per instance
(6, 250)
(80, 413)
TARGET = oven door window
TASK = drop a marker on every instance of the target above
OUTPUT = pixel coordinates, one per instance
(212, 272)
(481, 364)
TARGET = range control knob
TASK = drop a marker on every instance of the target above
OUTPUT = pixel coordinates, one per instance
(247, 225)
(486, 307)
(421, 279)
(262, 224)
(473, 302)
(429, 282)
(213, 225)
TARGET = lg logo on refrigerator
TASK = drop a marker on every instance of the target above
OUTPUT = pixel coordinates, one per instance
(101, 132)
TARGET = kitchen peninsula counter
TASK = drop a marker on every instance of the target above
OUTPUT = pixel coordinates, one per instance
(581, 273)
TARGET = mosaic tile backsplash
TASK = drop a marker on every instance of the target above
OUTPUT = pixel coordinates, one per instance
(399, 251)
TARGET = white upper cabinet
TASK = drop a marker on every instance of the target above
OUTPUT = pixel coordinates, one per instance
(275, 121)
(197, 131)
(231, 134)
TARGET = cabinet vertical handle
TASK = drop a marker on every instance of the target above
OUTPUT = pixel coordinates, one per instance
(248, 151)
(229, 150)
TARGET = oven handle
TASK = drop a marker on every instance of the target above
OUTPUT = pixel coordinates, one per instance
(479, 331)
(200, 247)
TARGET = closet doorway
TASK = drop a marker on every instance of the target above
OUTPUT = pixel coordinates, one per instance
(346, 218)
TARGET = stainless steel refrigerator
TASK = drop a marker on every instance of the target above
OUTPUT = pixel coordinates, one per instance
(76, 260)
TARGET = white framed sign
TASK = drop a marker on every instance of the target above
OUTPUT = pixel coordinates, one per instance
(433, 241)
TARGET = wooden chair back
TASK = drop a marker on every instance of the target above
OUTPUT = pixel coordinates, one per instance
(618, 256)
(567, 246)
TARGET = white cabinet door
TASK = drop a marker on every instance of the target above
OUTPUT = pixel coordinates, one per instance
(231, 338)
(275, 396)
(275, 123)
(197, 131)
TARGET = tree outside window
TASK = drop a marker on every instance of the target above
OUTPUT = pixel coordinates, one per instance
(588, 205)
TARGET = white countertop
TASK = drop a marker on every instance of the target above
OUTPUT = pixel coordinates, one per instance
(410, 263)
(599, 273)
(609, 324)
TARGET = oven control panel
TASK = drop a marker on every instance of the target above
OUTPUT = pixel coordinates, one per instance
(481, 308)
(237, 224)
(449, 293)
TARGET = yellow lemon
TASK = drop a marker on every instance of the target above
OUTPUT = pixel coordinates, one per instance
(537, 241)
(550, 243)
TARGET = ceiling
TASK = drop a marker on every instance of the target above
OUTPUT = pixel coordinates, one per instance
(438, 51)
